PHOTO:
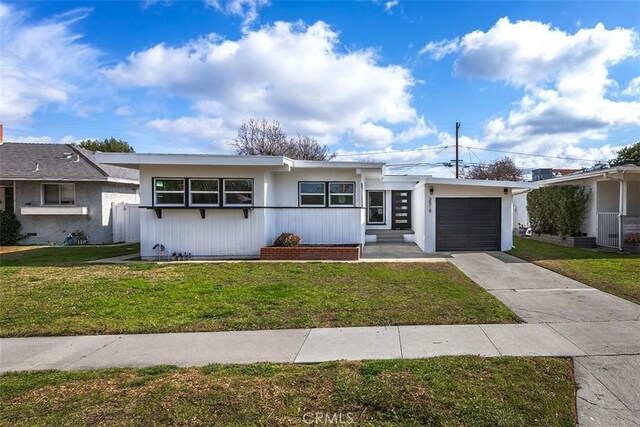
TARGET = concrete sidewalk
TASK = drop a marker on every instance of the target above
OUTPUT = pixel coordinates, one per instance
(600, 324)
(317, 345)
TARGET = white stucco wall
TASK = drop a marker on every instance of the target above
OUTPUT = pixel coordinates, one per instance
(97, 224)
(418, 214)
(520, 214)
(444, 191)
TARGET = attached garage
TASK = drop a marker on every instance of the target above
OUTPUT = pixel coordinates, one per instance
(468, 224)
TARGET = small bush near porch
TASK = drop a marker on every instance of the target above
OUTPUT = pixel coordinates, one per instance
(613, 272)
(145, 297)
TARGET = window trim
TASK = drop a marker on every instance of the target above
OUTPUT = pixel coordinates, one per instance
(383, 207)
(42, 196)
(236, 205)
(155, 192)
(329, 194)
(324, 194)
(191, 192)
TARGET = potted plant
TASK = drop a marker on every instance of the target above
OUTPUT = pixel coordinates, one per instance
(79, 237)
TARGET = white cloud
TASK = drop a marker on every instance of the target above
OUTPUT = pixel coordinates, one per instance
(440, 49)
(124, 110)
(527, 52)
(371, 135)
(565, 82)
(246, 9)
(390, 5)
(419, 130)
(43, 64)
(290, 72)
(633, 89)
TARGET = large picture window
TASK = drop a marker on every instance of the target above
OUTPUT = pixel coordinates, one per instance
(312, 194)
(58, 194)
(341, 193)
(169, 191)
(204, 192)
(238, 192)
(375, 207)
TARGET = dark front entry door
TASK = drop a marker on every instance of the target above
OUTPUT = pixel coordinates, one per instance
(401, 210)
(468, 224)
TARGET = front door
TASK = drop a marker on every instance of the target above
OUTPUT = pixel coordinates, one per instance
(401, 210)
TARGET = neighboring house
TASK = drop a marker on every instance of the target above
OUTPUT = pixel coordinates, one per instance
(614, 205)
(231, 206)
(56, 189)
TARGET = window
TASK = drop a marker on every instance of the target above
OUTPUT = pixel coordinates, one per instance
(312, 194)
(238, 192)
(58, 194)
(204, 192)
(341, 193)
(169, 191)
(375, 207)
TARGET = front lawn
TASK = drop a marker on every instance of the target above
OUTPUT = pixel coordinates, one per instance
(613, 272)
(445, 391)
(148, 297)
(62, 255)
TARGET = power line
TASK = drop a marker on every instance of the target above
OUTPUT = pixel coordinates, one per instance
(368, 153)
(533, 155)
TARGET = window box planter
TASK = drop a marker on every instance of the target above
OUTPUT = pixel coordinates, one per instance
(311, 253)
(54, 210)
(572, 242)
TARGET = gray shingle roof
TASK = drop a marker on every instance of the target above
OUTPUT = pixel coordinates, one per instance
(56, 162)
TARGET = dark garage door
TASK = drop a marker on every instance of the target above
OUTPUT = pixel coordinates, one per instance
(468, 224)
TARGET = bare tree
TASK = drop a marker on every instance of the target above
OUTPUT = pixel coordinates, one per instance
(307, 148)
(268, 139)
(255, 138)
(500, 170)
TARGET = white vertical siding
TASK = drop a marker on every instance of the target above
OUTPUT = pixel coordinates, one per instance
(224, 233)
(320, 225)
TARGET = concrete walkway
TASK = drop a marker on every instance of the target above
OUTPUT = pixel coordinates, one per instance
(602, 325)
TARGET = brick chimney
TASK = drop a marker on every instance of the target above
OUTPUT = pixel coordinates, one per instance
(1, 135)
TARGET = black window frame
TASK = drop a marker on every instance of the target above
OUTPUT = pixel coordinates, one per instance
(383, 207)
(324, 194)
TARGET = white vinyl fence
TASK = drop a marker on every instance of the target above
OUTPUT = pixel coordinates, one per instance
(125, 221)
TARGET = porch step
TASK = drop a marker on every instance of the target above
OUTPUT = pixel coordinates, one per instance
(389, 236)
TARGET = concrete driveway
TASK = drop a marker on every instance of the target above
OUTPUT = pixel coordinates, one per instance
(605, 327)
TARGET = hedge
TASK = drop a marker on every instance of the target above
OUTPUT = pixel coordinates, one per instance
(558, 209)
(9, 228)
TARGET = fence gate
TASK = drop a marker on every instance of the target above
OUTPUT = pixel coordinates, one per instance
(608, 229)
(125, 222)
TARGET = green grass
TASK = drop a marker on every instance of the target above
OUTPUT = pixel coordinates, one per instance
(146, 297)
(62, 255)
(445, 391)
(613, 272)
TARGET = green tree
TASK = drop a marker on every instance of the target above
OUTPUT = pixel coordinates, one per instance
(110, 145)
(9, 228)
(626, 155)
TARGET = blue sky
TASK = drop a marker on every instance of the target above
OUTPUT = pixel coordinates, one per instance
(557, 79)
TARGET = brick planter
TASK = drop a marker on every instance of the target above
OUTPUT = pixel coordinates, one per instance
(311, 253)
(572, 242)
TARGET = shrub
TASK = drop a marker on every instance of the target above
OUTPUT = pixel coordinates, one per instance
(558, 209)
(9, 228)
(632, 237)
(287, 240)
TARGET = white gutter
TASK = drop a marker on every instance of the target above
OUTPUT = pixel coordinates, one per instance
(620, 206)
